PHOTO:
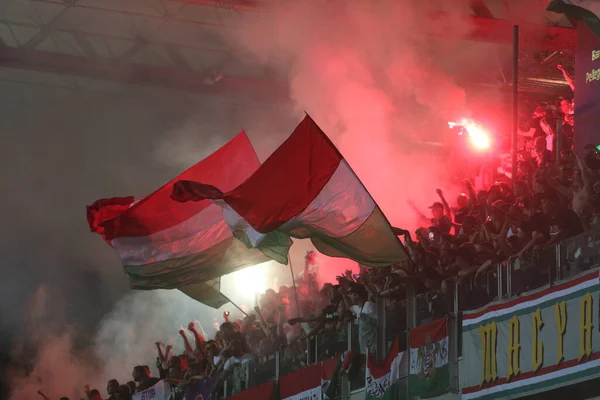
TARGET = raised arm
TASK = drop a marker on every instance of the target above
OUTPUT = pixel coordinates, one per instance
(447, 209)
(161, 356)
(189, 351)
(198, 338)
(567, 77)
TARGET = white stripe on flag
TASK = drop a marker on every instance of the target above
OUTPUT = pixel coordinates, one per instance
(194, 235)
(339, 209)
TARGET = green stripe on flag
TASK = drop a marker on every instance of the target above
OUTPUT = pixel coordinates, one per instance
(434, 385)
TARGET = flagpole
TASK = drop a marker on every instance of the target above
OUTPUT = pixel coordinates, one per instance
(295, 289)
(235, 305)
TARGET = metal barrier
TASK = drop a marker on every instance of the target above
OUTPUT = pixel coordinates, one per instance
(508, 279)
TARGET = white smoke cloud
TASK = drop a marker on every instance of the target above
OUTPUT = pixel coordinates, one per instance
(366, 71)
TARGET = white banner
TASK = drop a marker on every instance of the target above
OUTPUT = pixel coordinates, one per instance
(160, 391)
(310, 394)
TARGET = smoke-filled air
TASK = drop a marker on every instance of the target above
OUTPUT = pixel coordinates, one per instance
(371, 73)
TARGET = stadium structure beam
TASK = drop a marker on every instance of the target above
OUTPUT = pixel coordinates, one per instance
(486, 27)
(500, 31)
(128, 73)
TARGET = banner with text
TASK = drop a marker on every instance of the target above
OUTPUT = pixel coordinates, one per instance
(587, 88)
(540, 341)
(160, 391)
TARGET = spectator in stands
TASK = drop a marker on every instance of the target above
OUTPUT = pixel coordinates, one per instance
(123, 392)
(561, 222)
(542, 155)
(111, 388)
(366, 316)
(275, 336)
(94, 394)
(228, 333)
(141, 375)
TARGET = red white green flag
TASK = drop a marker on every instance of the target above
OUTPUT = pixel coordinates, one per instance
(429, 375)
(164, 244)
(332, 370)
(304, 384)
(382, 380)
(306, 189)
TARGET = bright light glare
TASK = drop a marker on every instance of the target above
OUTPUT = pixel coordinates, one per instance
(480, 139)
(242, 286)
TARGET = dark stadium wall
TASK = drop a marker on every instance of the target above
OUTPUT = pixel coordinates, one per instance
(587, 89)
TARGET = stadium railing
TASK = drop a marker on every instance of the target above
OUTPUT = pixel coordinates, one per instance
(509, 279)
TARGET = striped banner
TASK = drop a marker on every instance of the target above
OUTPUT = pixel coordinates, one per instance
(534, 343)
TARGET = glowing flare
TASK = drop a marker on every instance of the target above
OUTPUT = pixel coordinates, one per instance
(480, 139)
(241, 286)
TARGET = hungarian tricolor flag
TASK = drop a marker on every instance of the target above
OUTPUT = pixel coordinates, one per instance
(164, 244)
(331, 373)
(587, 11)
(305, 189)
(429, 375)
(302, 384)
(382, 379)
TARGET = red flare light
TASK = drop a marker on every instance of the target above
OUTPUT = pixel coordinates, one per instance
(479, 137)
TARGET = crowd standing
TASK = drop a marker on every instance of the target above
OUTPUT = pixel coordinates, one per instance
(556, 195)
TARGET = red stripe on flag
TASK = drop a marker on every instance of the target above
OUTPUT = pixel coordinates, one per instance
(288, 181)
(297, 382)
(104, 210)
(434, 331)
(158, 211)
(381, 369)
(261, 392)
(534, 296)
(328, 367)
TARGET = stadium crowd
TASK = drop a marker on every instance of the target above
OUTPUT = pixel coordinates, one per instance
(556, 195)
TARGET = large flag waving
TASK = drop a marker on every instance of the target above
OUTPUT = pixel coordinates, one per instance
(306, 189)
(587, 11)
(163, 244)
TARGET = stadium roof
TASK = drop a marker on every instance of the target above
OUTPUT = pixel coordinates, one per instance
(178, 44)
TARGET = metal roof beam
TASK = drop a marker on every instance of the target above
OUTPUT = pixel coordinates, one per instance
(128, 73)
(500, 31)
(178, 59)
(235, 5)
(85, 44)
(44, 32)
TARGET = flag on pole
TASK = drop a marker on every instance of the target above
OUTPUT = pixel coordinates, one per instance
(587, 11)
(332, 370)
(382, 379)
(429, 375)
(306, 189)
(164, 244)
